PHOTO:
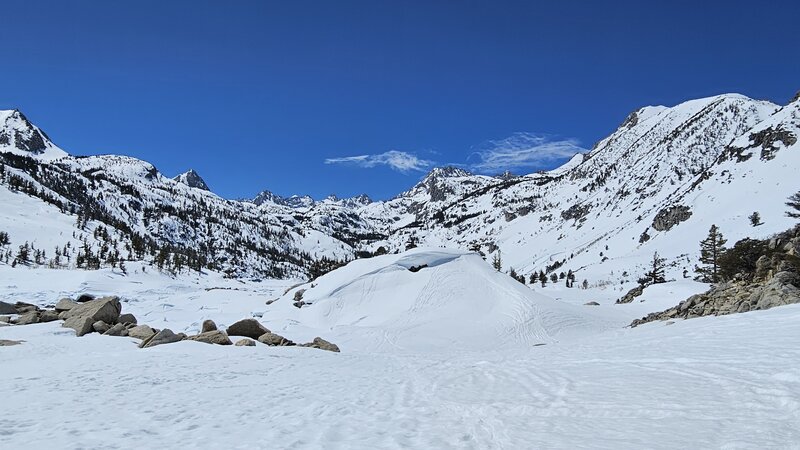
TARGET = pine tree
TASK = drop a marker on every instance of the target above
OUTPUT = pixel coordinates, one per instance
(543, 278)
(794, 204)
(755, 219)
(554, 278)
(497, 261)
(585, 284)
(711, 249)
(570, 278)
(656, 274)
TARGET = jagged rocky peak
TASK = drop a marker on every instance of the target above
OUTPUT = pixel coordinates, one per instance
(192, 179)
(19, 135)
(795, 98)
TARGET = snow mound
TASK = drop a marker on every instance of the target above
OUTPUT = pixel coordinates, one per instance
(428, 299)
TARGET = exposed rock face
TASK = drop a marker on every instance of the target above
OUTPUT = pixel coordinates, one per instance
(208, 325)
(248, 328)
(632, 294)
(774, 281)
(273, 339)
(165, 336)
(669, 217)
(142, 332)
(322, 344)
(192, 179)
(245, 343)
(212, 337)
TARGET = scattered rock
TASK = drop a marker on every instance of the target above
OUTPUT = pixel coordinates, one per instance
(245, 343)
(592, 304)
(106, 309)
(101, 327)
(117, 330)
(127, 318)
(212, 337)
(81, 325)
(7, 308)
(248, 328)
(273, 339)
(9, 343)
(65, 304)
(28, 318)
(49, 315)
(322, 344)
(165, 336)
(83, 298)
(632, 294)
(208, 325)
(142, 332)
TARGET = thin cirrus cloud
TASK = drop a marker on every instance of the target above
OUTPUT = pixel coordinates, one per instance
(518, 152)
(523, 151)
(402, 162)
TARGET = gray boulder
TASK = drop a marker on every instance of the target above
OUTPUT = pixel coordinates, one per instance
(106, 309)
(101, 327)
(65, 304)
(24, 308)
(592, 304)
(83, 298)
(48, 316)
(632, 294)
(273, 339)
(322, 344)
(245, 343)
(165, 336)
(208, 325)
(217, 337)
(81, 325)
(127, 318)
(7, 308)
(28, 318)
(117, 330)
(9, 343)
(248, 328)
(142, 332)
(5, 319)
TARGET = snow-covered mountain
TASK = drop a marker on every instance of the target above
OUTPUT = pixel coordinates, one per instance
(656, 184)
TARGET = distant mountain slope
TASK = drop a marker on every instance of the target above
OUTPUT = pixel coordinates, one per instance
(656, 184)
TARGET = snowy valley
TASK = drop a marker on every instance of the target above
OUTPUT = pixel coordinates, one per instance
(438, 347)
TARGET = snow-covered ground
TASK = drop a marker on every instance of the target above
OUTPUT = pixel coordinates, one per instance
(714, 382)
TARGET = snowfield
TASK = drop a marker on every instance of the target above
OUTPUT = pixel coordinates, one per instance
(445, 357)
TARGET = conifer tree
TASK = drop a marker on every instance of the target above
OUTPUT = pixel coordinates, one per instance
(656, 274)
(755, 219)
(497, 261)
(711, 249)
(794, 203)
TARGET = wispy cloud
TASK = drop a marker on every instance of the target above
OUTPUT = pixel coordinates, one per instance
(523, 151)
(403, 162)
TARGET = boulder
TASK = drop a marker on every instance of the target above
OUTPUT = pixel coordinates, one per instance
(245, 343)
(127, 318)
(81, 325)
(83, 298)
(248, 328)
(632, 294)
(592, 304)
(24, 308)
(142, 332)
(49, 315)
(273, 339)
(5, 319)
(28, 318)
(7, 308)
(208, 325)
(117, 330)
(212, 337)
(65, 304)
(106, 309)
(101, 327)
(165, 336)
(322, 344)
(9, 343)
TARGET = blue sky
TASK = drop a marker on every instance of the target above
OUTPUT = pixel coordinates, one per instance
(363, 97)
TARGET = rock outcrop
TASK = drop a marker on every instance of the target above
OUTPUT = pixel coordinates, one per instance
(248, 328)
(106, 309)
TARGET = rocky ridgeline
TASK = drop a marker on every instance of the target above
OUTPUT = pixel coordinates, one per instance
(772, 281)
(104, 315)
